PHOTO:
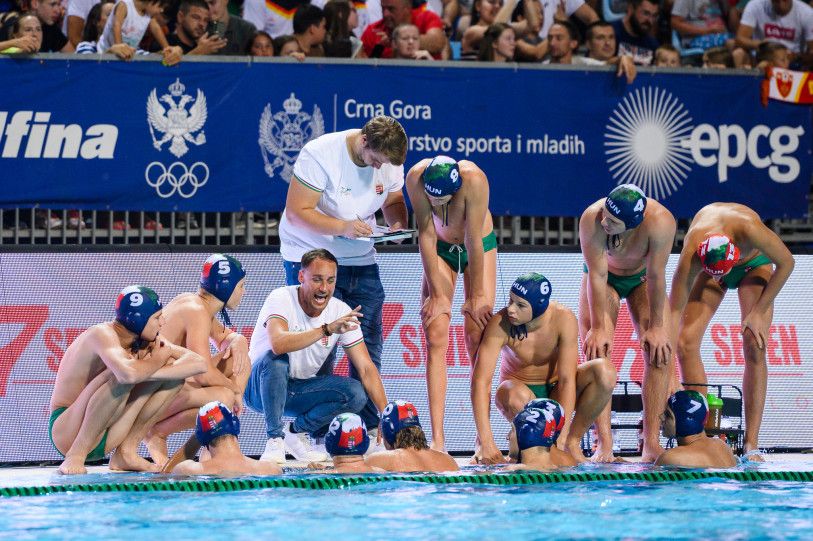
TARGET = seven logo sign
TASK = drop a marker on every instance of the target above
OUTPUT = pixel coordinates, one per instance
(284, 133)
(177, 125)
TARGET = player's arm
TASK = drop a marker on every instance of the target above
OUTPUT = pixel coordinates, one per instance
(592, 239)
(567, 363)
(181, 363)
(655, 338)
(688, 267)
(188, 467)
(230, 343)
(394, 210)
(494, 339)
(368, 373)
(766, 241)
(300, 208)
(198, 324)
(476, 306)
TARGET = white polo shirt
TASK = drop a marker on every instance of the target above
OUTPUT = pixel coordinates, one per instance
(549, 13)
(283, 303)
(347, 193)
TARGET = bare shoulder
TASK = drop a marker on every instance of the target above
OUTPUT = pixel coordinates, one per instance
(188, 467)
(658, 216)
(589, 221)
(101, 334)
(563, 317)
(416, 170)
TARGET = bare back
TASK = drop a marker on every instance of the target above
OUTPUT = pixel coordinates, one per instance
(730, 219)
(413, 460)
(535, 359)
(181, 313)
(703, 453)
(82, 362)
(631, 256)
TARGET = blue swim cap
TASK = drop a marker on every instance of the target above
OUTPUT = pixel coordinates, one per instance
(540, 425)
(135, 305)
(346, 435)
(627, 203)
(220, 275)
(536, 289)
(215, 420)
(690, 410)
(441, 177)
(397, 416)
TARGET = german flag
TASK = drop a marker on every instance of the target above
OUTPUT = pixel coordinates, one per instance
(284, 8)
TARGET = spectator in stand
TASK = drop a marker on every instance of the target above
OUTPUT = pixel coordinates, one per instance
(26, 36)
(563, 38)
(377, 38)
(666, 56)
(310, 30)
(499, 44)
(554, 10)
(48, 12)
(235, 31)
(94, 24)
(129, 23)
(191, 30)
(76, 18)
(773, 55)
(490, 12)
(530, 46)
(341, 20)
(483, 14)
(406, 42)
(789, 22)
(288, 46)
(601, 48)
(633, 33)
(718, 58)
(273, 16)
(368, 11)
(261, 45)
(701, 25)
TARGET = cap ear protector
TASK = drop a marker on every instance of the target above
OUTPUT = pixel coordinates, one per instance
(398, 415)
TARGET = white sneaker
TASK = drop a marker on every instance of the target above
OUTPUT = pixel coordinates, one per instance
(274, 451)
(374, 447)
(299, 445)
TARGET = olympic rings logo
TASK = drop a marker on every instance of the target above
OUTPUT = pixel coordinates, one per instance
(177, 178)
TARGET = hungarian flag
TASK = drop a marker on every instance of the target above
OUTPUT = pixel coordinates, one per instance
(788, 86)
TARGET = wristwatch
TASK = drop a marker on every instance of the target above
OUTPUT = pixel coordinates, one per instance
(325, 330)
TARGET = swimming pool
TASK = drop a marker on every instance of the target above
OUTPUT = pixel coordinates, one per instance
(710, 508)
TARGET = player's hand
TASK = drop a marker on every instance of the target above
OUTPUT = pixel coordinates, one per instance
(348, 322)
(759, 325)
(655, 342)
(433, 308)
(354, 229)
(602, 455)
(478, 310)
(597, 344)
(238, 351)
(238, 404)
(489, 454)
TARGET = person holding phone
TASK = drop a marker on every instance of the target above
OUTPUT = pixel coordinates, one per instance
(235, 31)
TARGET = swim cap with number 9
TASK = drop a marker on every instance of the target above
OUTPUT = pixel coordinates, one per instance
(134, 307)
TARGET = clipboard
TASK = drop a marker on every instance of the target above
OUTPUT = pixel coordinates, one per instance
(383, 234)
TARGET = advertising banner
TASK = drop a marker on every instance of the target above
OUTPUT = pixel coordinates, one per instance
(63, 294)
(224, 136)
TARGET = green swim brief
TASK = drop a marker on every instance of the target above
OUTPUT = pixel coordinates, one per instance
(624, 285)
(455, 254)
(96, 454)
(543, 390)
(732, 279)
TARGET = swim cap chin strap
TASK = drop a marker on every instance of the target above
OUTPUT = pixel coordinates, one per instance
(536, 289)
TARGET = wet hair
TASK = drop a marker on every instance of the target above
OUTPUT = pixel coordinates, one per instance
(767, 49)
(318, 253)
(307, 15)
(411, 437)
(593, 26)
(719, 55)
(491, 36)
(386, 135)
(91, 32)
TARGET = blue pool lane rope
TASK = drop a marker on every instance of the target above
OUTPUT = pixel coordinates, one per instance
(323, 482)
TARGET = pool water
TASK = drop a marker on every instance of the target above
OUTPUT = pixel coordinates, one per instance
(411, 510)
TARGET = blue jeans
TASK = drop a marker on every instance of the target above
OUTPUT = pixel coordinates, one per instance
(313, 402)
(357, 285)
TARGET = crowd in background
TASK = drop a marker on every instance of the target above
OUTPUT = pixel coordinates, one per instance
(669, 33)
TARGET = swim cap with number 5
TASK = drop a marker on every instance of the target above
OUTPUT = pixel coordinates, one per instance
(220, 275)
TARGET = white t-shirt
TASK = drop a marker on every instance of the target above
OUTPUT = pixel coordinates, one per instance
(792, 30)
(549, 11)
(368, 12)
(348, 192)
(283, 303)
(77, 8)
(271, 17)
(132, 28)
